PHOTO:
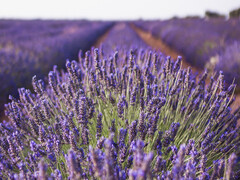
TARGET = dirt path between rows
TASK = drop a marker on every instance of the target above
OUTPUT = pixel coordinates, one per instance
(103, 37)
(236, 104)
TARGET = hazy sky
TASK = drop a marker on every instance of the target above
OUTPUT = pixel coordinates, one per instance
(111, 9)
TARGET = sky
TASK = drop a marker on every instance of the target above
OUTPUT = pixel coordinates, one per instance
(111, 9)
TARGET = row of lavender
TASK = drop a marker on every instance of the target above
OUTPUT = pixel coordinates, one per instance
(132, 114)
(33, 47)
(212, 43)
(122, 37)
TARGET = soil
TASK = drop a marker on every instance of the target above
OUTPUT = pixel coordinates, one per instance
(237, 102)
(102, 38)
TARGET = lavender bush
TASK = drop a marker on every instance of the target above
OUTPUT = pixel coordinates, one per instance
(145, 119)
(196, 38)
(33, 47)
(229, 62)
(122, 37)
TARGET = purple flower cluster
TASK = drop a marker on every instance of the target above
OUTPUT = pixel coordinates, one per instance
(200, 40)
(229, 62)
(33, 47)
(134, 120)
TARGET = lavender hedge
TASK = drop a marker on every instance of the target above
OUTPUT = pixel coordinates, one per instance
(146, 118)
(122, 37)
(229, 62)
(198, 39)
(32, 47)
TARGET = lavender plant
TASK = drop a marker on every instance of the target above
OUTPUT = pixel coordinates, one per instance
(197, 39)
(144, 119)
(121, 37)
(33, 47)
(229, 62)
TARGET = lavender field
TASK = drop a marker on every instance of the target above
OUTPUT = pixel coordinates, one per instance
(32, 47)
(96, 100)
(205, 43)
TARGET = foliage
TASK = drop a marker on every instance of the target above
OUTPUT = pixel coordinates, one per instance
(33, 47)
(139, 117)
(229, 62)
(189, 36)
